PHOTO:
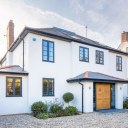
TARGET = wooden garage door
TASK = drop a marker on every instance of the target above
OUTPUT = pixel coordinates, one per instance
(102, 96)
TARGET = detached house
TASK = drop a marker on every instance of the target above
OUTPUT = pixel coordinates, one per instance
(44, 63)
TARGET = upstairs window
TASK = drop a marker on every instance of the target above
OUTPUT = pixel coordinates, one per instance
(118, 63)
(13, 87)
(48, 51)
(48, 87)
(99, 57)
(84, 54)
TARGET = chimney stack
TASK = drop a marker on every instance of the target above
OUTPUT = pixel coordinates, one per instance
(124, 37)
(10, 34)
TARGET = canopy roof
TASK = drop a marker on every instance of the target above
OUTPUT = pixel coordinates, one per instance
(97, 77)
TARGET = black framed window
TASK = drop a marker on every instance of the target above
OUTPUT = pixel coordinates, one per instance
(13, 86)
(118, 63)
(48, 87)
(84, 54)
(99, 57)
(48, 51)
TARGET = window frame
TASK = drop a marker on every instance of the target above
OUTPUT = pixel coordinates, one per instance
(14, 78)
(83, 54)
(48, 41)
(117, 64)
(99, 57)
(48, 87)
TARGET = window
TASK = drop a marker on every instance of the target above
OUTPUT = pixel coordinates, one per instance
(48, 51)
(48, 87)
(84, 54)
(99, 57)
(14, 86)
(118, 63)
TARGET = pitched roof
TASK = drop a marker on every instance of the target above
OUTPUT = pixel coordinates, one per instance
(63, 35)
(97, 77)
(13, 69)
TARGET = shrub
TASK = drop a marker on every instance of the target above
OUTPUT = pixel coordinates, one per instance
(60, 113)
(67, 97)
(71, 110)
(52, 115)
(55, 108)
(42, 116)
(125, 104)
(38, 107)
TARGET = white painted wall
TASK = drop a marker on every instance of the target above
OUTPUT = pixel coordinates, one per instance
(13, 105)
(118, 96)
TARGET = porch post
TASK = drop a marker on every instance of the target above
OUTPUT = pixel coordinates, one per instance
(119, 96)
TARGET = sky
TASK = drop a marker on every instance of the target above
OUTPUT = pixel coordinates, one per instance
(105, 19)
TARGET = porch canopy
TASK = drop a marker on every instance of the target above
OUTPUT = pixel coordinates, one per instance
(97, 77)
(13, 70)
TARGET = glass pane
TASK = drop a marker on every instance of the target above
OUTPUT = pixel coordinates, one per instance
(50, 44)
(50, 58)
(17, 86)
(10, 90)
(45, 43)
(50, 53)
(50, 87)
(45, 58)
(51, 49)
(44, 48)
(45, 53)
(45, 84)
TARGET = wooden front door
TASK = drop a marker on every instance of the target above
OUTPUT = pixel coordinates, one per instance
(103, 96)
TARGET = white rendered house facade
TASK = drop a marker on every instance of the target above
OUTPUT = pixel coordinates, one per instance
(50, 62)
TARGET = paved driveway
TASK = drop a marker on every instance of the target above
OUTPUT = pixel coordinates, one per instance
(91, 120)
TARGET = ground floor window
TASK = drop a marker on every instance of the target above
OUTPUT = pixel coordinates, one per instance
(48, 87)
(13, 86)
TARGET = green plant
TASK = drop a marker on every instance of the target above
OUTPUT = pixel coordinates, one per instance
(52, 115)
(38, 107)
(71, 110)
(67, 97)
(42, 116)
(55, 108)
(125, 104)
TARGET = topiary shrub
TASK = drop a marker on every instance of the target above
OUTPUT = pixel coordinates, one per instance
(55, 108)
(71, 110)
(67, 97)
(38, 107)
(42, 116)
(125, 104)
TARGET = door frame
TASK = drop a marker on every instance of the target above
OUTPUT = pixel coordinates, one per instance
(94, 95)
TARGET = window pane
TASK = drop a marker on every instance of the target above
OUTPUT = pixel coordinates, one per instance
(17, 86)
(44, 48)
(45, 58)
(51, 49)
(45, 43)
(51, 87)
(44, 53)
(50, 58)
(50, 53)
(10, 90)
(50, 44)
(45, 84)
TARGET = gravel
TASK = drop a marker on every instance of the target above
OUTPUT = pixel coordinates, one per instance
(89, 120)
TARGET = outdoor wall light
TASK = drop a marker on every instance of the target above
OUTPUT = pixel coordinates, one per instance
(89, 87)
(120, 88)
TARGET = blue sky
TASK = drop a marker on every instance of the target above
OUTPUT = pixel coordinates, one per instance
(106, 19)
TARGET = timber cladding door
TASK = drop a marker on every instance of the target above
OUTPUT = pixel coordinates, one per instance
(103, 96)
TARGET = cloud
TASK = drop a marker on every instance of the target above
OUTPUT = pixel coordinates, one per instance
(25, 15)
